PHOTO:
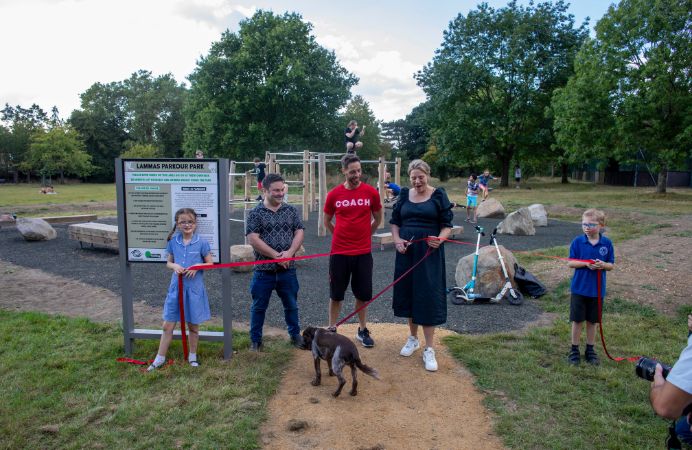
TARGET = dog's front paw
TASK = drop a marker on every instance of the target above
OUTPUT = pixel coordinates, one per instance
(353, 392)
(316, 381)
(336, 393)
(331, 373)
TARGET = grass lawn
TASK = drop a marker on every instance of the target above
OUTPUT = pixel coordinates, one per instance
(62, 388)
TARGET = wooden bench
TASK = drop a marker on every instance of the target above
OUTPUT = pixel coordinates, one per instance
(386, 238)
(70, 219)
(95, 234)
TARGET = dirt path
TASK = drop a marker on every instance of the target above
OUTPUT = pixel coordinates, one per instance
(409, 407)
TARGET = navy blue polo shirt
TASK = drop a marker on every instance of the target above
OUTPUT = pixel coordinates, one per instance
(584, 281)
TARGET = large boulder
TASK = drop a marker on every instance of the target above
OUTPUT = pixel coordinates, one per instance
(36, 229)
(489, 276)
(518, 223)
(539, 216)
(491, 208)
(242, 253)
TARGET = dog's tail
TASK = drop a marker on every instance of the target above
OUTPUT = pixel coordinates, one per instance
(367, 369)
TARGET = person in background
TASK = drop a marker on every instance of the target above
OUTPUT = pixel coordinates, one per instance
(517, 175)
(393, 190)
(421, 221)
(260, 168)
(472, 188)
(484, 181)
(352, 133)
(199, 154)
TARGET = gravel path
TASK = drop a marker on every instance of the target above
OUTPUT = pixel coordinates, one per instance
(99, 267)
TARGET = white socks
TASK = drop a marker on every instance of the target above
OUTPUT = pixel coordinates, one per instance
(159, 360)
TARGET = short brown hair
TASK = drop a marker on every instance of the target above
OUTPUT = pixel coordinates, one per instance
(347, 159)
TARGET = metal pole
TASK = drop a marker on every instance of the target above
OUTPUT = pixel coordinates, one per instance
(225, 257)
(125, 268)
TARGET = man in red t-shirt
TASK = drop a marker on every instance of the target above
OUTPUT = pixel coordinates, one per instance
(358, 212)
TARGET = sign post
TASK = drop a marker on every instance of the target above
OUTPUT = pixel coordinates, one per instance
(149, 192)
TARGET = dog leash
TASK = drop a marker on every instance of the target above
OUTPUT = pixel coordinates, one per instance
(356, 311)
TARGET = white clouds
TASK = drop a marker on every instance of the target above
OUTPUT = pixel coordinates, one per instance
(386, 78)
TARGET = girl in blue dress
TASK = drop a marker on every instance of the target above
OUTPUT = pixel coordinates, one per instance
(185, 249)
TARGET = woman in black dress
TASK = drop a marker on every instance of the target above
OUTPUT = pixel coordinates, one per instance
(422, 212)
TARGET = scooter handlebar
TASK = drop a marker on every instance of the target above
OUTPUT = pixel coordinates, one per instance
(492, 236)
(479, 230)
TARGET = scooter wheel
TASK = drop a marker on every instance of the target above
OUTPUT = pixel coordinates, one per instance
(516, 299)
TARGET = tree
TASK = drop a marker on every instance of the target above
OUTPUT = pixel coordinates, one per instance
(139, 110)
(490, 82)
(268, 87)
(102, 124)
(632, 89)
(142, 151)
(23, 124)
(58, 151)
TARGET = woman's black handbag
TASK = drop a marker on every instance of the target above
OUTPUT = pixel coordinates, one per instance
(527, 282)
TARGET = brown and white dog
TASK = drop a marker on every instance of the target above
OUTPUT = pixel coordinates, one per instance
(338, 351)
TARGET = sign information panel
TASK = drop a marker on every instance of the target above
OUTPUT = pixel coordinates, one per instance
(154, 190)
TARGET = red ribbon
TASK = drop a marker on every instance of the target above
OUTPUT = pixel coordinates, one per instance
(362, 251)
(181, 305)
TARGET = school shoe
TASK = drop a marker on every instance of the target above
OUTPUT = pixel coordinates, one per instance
(364, 337)
(591, 357)
(412, 344)
(574, 358)
(297, 341)
(256, 347)
(429, 359)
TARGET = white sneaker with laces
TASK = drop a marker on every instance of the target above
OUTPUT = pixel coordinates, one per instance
(411, 346)
(429, 359)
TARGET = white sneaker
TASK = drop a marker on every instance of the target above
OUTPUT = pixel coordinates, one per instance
(411, 346)
(429, 359)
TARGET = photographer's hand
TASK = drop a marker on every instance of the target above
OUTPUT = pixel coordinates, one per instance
(658, 377)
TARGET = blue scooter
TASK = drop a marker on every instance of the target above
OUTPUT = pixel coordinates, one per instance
(466, 294)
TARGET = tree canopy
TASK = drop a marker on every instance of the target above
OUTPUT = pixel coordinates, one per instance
(491, 80)
(140, 110)
(58, 151)
(269, 86)
(632, 89)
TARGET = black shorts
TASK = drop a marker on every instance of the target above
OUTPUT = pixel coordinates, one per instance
(354, 268)
(583, 308)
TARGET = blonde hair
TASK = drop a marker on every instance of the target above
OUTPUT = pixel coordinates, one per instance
(419, 164)
(596, 214)
(178, 213)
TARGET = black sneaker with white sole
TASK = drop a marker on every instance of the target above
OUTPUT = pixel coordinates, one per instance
(364, 337)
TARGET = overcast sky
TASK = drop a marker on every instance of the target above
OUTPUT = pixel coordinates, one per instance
(53, 50)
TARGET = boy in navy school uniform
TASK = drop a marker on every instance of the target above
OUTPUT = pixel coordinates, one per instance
(592, 245)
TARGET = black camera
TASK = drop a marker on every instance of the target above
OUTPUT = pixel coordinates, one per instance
(646, 368)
